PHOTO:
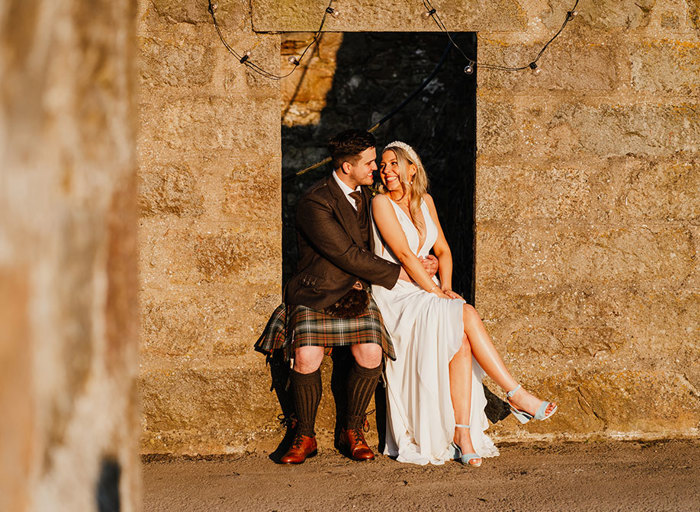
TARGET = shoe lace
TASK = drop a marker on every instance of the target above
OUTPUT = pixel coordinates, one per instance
(298, 440)
(287, 421)
(365, 421)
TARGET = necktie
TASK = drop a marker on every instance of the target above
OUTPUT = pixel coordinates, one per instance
(357, 196)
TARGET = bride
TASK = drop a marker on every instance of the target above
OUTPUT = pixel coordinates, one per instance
(435, 399)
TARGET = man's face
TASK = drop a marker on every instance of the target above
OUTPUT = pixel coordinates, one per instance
(361, 173)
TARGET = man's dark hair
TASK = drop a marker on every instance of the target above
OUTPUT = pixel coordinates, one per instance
(347, 145)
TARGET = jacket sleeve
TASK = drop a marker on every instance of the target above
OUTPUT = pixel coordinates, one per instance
(319, 225)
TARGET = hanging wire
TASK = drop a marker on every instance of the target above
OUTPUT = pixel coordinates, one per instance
(469, 69)
(250, 64)
(388, 116)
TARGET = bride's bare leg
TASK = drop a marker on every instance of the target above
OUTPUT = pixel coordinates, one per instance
(492, 363)
(461, 393)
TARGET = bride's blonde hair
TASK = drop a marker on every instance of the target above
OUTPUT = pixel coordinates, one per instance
(405, 156)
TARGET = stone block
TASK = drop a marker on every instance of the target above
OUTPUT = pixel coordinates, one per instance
(666, 66)
(651, 188)
(207, 124)
(631, 400)
(542, 128)
(229, 402)
(496, 132)
(253, 192)
(169, 189)
(228, 12)
(602, 14)
(386, 15)
(180, 63)
(584, 327)
(524, 192)
(569, 64)
(531, 256)
(225, 254)
(616, 189)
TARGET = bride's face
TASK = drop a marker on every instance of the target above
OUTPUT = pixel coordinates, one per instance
(390, 171)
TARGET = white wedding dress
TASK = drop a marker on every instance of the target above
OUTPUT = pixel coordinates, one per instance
(426, 331)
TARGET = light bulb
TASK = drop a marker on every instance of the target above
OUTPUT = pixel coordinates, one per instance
(534, 68)
(428, 14)
(469, 68)
(293, 60)
(333, 12)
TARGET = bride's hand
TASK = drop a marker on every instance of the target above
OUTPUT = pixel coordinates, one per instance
(437, 291)
(452, 295)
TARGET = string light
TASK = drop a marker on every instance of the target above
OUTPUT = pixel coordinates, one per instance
(252, 66)
(431, 12)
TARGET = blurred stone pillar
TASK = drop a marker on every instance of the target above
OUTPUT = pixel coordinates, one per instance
(68, 305)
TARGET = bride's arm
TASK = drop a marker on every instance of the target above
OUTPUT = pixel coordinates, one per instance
(392, 233)
(441, 248)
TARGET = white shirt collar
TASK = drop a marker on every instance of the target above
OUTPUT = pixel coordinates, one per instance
(346, 189)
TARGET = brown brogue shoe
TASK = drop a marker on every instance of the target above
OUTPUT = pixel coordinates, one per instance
(352, 443)
(302, 448)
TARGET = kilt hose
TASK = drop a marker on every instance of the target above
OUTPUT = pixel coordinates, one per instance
(295, 326)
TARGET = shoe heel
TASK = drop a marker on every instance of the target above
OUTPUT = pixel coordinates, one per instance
(522, 416)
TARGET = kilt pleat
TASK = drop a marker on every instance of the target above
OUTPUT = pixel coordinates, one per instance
(297, 326)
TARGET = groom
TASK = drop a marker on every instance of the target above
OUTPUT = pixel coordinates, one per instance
(328, 301)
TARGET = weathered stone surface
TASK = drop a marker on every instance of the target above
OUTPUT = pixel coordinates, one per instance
(233, 414)
(534, 256)
(251, 193)
(228, 12)
(366, 15)
(603, 14)
(170, 189)
(177, 64)
(666, 66)
(206, 124)
(496, 130)
(609, 190)
(561, 130)
(569, 64)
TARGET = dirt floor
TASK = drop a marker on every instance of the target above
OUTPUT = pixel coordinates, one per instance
(596, 476)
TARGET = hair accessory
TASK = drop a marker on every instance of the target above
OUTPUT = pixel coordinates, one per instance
(408, 149)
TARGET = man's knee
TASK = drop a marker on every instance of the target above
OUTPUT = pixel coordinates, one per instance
(368, 355)
(307, 359)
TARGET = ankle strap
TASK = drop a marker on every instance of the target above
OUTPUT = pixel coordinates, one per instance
(511, 393)
(463, 426)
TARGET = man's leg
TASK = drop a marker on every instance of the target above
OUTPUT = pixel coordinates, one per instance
(362, 382)
(306, 387)
(305, 380)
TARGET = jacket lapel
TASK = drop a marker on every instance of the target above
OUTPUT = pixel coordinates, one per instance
(346, 213)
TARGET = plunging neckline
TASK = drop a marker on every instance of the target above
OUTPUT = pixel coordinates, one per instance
(425, 235)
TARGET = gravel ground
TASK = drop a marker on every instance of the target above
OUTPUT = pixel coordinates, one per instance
(595, 476)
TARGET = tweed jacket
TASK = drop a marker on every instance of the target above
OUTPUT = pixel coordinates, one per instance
(332, 252)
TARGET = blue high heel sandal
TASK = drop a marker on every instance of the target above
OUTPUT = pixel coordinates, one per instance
(466, 458)
(524, 416)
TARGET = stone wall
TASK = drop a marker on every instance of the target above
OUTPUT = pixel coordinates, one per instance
(586, 211)
(68, 269)
(210, 227)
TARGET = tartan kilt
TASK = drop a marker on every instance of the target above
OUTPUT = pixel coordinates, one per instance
(297, 326)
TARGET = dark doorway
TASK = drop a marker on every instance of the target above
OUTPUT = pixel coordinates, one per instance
(352, 80)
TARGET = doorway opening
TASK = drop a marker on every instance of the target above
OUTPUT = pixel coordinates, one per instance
(352, 80)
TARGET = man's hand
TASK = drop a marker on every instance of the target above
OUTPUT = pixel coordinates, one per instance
(430, 264)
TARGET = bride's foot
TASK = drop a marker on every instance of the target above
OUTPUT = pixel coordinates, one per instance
(526, 406)
(463, 445)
